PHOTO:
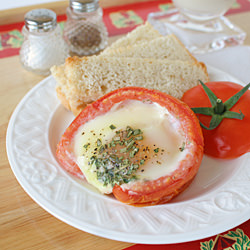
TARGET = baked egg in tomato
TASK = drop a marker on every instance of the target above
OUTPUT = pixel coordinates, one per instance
(142, 145)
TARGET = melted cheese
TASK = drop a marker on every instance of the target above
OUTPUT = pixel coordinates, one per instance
(160, 131)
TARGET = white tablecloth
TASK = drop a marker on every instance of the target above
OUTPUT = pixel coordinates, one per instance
(233, 60)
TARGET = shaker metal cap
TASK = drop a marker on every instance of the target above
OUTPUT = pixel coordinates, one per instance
(84, 5)
(40, 20)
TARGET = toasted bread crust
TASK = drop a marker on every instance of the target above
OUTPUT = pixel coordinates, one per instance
(86, 79)
(163, 47)
(171, 69)
(140, 34)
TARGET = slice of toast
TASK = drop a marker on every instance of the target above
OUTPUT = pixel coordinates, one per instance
(163, 47)
(140, 34)
(83, 80)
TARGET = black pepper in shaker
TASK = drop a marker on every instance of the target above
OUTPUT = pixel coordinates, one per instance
(84, 32)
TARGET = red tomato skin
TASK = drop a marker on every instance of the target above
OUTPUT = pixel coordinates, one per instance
(231, 138)
(142, 193)
(164, 189)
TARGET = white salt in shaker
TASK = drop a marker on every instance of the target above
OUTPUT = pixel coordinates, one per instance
(43, 44)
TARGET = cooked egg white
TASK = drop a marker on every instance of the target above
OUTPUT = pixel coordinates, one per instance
(161, 134)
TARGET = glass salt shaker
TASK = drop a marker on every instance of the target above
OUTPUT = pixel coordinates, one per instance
(43, 44)
(84, 31)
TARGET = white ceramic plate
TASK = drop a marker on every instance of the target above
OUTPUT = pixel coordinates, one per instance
(217, 200)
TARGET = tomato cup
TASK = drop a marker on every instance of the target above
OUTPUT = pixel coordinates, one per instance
(151, 192)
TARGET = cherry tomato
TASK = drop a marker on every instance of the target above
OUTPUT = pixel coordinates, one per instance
(231, 138)
(150, 192)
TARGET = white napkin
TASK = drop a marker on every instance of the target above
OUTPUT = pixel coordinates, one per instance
(233, 60)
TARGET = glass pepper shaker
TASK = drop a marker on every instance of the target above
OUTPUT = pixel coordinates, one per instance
(43, 44)
(84, 31)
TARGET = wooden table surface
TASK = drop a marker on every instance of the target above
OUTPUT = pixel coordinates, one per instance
(23, 223)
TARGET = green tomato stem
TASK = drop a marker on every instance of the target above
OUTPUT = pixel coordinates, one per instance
(219, 107)
(220, 110)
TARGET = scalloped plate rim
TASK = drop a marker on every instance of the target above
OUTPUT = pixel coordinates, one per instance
(90, 227)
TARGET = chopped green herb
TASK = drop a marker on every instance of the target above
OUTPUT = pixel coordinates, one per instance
(139, 138)
(156, 150)
(115, 162)
(112, 126)
(142, 161)
(101, 149)
(182, 147)
(130, 132)
(99, 142)
(136, 166)
(86, 145)
(137, 132)
(132, 154)
(117, 138)
(126, 161)
(123, 150)
(130, 144)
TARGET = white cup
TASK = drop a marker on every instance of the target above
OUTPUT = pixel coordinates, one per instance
(203, 10)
